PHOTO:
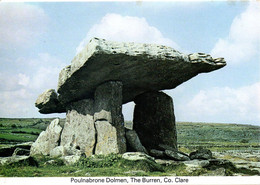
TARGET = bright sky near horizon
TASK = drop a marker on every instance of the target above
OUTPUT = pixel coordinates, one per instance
(38, 39)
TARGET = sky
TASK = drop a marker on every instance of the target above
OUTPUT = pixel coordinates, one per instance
(38, 39)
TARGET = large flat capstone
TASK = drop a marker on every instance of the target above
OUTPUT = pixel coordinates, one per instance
(140, 68)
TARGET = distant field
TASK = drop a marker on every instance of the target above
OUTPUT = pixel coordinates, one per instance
(18, 130)
(217, 136)
(190, 135)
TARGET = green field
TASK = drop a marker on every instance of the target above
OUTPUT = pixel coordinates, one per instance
(217, 136)
(19, 130)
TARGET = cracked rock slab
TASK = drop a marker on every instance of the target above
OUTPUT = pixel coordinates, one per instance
(140, 67)
(79, 130)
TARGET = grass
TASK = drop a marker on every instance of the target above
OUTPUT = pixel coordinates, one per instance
(18, 135)
(111, 165)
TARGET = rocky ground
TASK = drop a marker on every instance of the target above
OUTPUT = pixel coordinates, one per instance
(249, 159)
(201, 162)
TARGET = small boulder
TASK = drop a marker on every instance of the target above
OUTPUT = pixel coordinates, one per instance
(196, 163)
(50, 162)
(220, 163)
(175, 155)
(201, 154)
(71, 150)
(57, 151)
(66, 150)
(165, 162)
(18, 159)
(157, 153)
(21, 151)
(9, 150)
(70, 160)
(135, 156)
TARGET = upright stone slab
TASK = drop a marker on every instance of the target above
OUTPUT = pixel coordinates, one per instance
(79, 131)
(154, 120)
(48, 139)
(108, 117)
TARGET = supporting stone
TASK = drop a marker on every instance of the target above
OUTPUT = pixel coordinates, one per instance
(133, 142)
(154, 120)
(79, 131)
(48, 139)
(108, 117)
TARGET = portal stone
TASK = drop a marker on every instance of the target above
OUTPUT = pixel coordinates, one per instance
(154, 120)
(109, 121)
(79, 131)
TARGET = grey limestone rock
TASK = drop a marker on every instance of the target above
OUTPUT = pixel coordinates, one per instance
(57, 151)
(66, 150)
(134, 141)
(197, 163)
(48, 102)
(157, 153)
(135, 156)
(21, 151)
(18, 159)
(9, 150)
(167, 162)
(48, 139)
(201, 154)
(154, 120)
(109, 121)
(176, 155)
(217, 163)
(71, 159)
(140, 67)
(79, 130)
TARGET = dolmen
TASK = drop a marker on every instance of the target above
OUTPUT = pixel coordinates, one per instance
(104, 76)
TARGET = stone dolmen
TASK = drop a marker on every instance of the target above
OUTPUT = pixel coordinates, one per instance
(104, 76)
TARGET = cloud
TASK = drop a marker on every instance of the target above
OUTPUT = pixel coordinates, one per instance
(16, 103)
(243, 42)
(224, 104)
(43, 70)
(11, 82)
(18, 92)
(126, 29)
(20, 24)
